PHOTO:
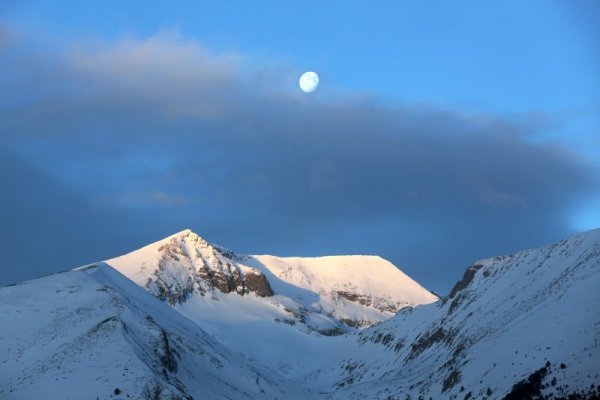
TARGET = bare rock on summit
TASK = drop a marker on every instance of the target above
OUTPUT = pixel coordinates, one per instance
(174, 268)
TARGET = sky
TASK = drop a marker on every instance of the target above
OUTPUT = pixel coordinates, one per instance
(441, 132)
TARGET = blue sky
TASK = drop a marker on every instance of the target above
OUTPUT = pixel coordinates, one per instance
(103, 94)
(509, 56)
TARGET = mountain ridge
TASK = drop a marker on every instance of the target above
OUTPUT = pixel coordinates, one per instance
(93, 332)
(182, 264)
(511, 320)
(521, 326)
(308, 298)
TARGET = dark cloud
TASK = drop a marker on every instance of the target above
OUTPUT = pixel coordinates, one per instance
(48, 227)
(171, 135)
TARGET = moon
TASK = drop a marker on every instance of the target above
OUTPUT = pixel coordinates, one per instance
(309, 81)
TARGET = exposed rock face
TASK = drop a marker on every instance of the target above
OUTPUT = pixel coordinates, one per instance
(378, 303)
(355, 323)
(258, 283)
(228, 278)
(466, 279)
(457, 294)
(177, 293)
(185, 263)
(165, 353)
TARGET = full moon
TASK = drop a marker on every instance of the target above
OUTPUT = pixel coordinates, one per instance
(309, 81)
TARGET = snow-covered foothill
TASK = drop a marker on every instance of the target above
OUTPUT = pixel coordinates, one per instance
(531, 319)
(92, 333)
(197, 320)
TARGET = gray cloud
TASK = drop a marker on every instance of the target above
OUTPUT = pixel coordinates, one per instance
(48, 227)
(177, 136)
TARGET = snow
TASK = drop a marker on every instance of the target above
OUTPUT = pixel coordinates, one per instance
(371, 276)
(368, 275)
(517, 313)
(246, 325)
(306, 301)
(311, 283)
(83, 333)
(145, 262)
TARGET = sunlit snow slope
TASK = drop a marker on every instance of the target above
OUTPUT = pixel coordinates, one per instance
(524, 326)
(273, 309)
(531, 319)
(92, 333)
(357, 289)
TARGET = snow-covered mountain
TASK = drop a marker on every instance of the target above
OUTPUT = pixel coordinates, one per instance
(524, 326)
(92, 333)
(515, 326)
(322, 293)
(287, 302)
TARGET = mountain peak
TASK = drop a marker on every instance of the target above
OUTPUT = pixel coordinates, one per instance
(326, 294)
(184, 234)
(183, 263)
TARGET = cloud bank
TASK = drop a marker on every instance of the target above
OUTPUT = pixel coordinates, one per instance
(165, 134)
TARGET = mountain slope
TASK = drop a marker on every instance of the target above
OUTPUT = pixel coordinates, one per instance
(356, 290)
(346, 285)
(92, 333)
(524, 326)
(532, 317)
(179, 265)
(266, 306)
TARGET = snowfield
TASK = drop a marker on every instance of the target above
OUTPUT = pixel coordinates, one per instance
(506, 319)
(199, 321)
(309, 298)
(92, 333)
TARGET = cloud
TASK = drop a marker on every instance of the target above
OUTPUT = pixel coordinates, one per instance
(203, 140)
(49, 227)
(182, 78)
(145, 199)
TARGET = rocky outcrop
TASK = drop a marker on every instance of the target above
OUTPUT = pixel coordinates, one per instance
(177, 292)
(459, 293)
(378, 303)
(228, 278)
(165, 353)
(188, 263)
(466, 279)
(257, 283)
(355, 323)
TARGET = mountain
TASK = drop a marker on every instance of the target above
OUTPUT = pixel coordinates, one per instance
(289, 303)
(92, 333)
(199, 321)
(514, 326)
(354, 290)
